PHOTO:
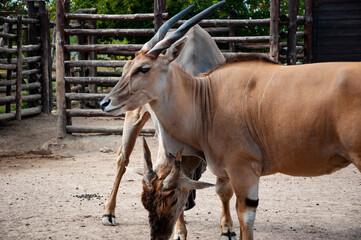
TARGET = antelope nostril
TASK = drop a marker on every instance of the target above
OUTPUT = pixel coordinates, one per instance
(104, 103)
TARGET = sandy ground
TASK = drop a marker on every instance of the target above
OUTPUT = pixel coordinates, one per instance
(52, 189)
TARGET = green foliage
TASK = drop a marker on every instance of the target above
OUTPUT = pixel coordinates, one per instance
(12, 5)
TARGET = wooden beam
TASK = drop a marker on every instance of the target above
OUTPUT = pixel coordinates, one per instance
(60, 69)
(19, 44)
(113, 17)
(308, 31)
(110, 32)
(159, 9)
(24, 113)
(252, 39)
(45, 57)
(96, 63)
(274, 30)
(103, 47)
(104, 130)
(292, 30)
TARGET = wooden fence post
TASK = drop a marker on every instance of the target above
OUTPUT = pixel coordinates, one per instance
(159, 8)
(92, 70)
(60, 69)
(33, 32)
(19, 69)
(274, 30)
(308, 31)
(292, 30)
(9, 72)
(67, 58)
(232, 30)
(45, 57)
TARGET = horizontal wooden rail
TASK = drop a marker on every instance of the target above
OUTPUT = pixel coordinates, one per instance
(230, 22)
(8, 50)
(24, 73)
(95, 63)
(104, 130)
(14, 20)
(33, 47)
(24, 113)
(25, 48)
(110, 32)
(103, 47)
(11, 99)
(7, 82)
(24, 60)
(248, 39)
(7, 35)
(113, 17)
(217, 30)
(87, 113)
(85, 96)
(109, 81)
(29, 86)
(7, 66)
(109, 74)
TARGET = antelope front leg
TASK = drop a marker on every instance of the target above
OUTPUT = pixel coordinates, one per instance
(225, 193)
(245, 185)
(134, 122)
(108, 217)
(180, 230)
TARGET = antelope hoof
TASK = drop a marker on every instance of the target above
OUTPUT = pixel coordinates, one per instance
(109, 220)
(228, 236)
(179, 236)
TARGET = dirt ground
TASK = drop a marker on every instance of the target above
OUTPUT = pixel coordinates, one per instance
(56, 189)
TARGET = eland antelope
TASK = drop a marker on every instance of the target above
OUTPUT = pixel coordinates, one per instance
(248, 118)
(200, 54)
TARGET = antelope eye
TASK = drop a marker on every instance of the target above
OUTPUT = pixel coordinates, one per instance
(143, 69)
(175, 200)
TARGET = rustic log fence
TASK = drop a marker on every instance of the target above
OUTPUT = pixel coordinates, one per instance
(84, 80)
(25, 66)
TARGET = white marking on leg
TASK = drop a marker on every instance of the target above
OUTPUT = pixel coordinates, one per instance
(249, 218)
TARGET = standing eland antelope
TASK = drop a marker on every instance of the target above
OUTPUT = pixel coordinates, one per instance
(200, 54)
(250, 117)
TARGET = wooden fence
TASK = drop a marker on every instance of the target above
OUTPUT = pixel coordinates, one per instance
(25, 66)
(84, 79)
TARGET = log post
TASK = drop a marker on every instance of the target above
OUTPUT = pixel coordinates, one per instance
(45, 58)
(33, 34)
(67, 58)
(292, 30)
(159, 8)
(8, 72)
(274, 30)
(232, 30)
(81, 56)
(92, 70)
(19, 69)
(308, 31)
(60, 69)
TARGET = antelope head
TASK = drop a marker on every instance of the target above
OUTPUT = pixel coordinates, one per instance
(144, 77)
(164, 198)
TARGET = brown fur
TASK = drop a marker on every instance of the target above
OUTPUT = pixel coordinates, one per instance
(157, 203)
(242, 57)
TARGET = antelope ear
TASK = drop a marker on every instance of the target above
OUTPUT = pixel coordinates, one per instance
(137, 170)
(175, 50)
(189, 184)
